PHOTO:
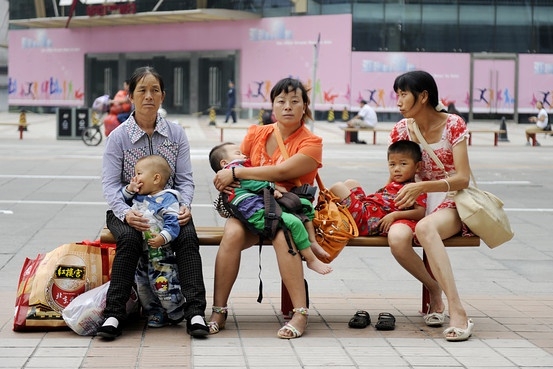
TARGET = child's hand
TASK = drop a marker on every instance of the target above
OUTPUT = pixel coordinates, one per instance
(277, 194)
(134, 186)
(282, 189)
(386, 222)
(156, 241)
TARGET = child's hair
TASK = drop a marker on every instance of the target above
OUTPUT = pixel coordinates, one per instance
(217, 154)
(406, 147)
(159, 165)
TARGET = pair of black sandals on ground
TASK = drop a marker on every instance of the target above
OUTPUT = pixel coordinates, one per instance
(362, 319)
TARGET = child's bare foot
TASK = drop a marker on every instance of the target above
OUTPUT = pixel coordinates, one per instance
(319, 251)
(318, 266)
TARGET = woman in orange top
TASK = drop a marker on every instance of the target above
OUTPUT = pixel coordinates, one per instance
(291, 108)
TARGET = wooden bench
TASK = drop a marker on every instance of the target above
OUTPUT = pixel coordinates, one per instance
(534, 136)
(211, 236)
(496, 133)
(222, 128)
(348, 130)
(21, 127)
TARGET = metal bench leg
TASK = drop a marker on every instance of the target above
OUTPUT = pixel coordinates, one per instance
(222, 130)
(470, 138)
(495, 138)
(347, 137)
(425, 292)
(374, 137)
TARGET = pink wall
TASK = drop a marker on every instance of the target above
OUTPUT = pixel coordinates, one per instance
(535, 82)
(374, 74)
(494, 86)
(46, 67)
(284, 47)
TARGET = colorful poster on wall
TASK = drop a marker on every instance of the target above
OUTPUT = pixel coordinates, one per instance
(46, 67)
(275, 48)
(374, 73)
(535, 82)
(44, 72)
(493, 86)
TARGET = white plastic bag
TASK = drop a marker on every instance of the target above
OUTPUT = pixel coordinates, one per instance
(84, 314)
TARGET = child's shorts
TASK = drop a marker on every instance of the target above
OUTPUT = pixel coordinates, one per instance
(367, 213)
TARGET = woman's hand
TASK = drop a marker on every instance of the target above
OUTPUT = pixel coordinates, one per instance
(184, 215)
(223, 181)
(407, 195)
(135, 219)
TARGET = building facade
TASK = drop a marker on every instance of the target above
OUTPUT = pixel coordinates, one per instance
(489, 57)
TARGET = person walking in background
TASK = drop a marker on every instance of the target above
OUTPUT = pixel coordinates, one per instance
(231, 102)
(366, 118)
(144, 133)
(541, 120)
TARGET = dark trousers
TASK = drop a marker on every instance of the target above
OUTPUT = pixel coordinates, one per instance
(128, 250)
(230, 113)
(353, 136)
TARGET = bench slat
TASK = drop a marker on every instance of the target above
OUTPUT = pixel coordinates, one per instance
(211, 236)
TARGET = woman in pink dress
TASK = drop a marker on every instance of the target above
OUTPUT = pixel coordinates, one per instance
(447, 135)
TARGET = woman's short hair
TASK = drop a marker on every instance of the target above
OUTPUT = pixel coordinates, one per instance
(416, 82)
(288, 85)
(142, 72)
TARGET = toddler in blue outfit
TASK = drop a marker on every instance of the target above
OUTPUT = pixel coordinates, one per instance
(156, 275)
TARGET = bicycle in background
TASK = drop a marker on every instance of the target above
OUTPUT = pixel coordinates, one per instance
(92, 136)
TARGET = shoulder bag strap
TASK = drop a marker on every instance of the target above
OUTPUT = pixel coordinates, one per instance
(285, 155)
(431, 152)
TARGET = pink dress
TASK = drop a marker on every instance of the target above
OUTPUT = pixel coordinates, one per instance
(454, 132)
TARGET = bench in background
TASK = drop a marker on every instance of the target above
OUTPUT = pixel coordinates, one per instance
(496, 133)
(211, 236)
(348, 130)
(222, 128)
(534, 139)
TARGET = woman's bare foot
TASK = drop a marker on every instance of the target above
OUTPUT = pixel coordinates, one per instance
(319, 251)
(318, 266)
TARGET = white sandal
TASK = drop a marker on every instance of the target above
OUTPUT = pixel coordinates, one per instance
(215, 327)
(460, 333)
(282, 332)
(434, 319)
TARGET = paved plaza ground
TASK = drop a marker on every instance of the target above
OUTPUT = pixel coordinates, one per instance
(50, 194)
